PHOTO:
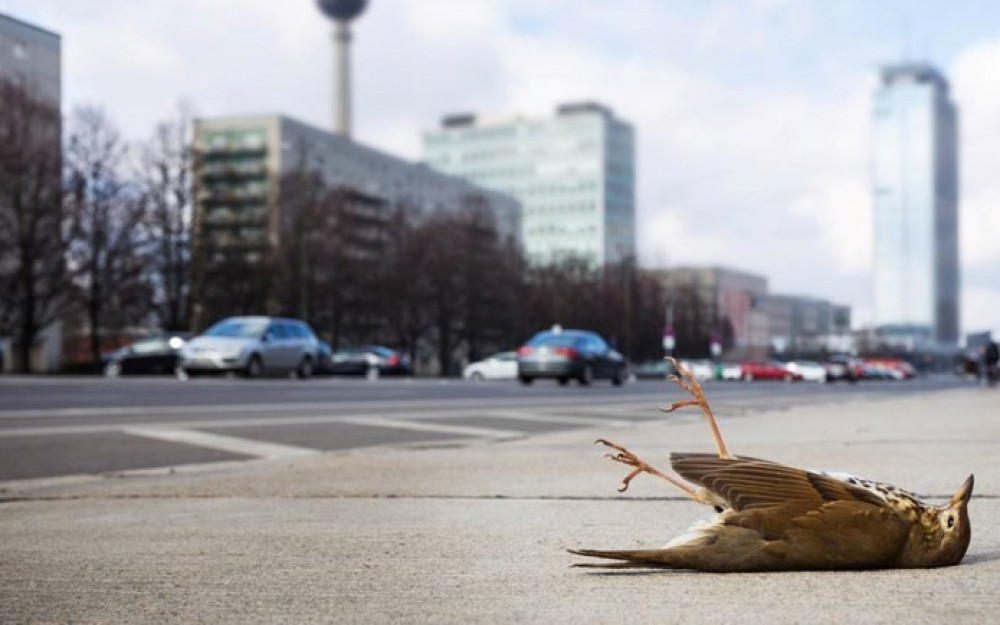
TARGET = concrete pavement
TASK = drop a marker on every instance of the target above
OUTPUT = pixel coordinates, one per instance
(477, 532)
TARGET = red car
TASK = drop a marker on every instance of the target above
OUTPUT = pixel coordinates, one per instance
(767, 371)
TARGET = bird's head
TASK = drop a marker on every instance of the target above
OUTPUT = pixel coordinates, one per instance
(953, 528)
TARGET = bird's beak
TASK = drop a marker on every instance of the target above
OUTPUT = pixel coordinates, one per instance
(964, 493)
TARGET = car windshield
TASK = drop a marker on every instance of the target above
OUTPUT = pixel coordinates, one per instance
(549, 339)
(238, 328)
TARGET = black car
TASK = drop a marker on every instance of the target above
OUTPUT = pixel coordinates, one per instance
(569, 354)
(154, 355)
(364, 360)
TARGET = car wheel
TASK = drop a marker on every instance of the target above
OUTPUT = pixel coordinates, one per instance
(113, 369)
(586, 376)
(477, 377)
(526, 380)
(305, 369)
(748, 376)
(254, 367)
(563, 381)
(617, 378)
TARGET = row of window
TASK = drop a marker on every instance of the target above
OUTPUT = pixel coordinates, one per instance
(551, 229)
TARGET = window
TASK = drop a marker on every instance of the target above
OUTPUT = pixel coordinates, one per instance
(20, 50)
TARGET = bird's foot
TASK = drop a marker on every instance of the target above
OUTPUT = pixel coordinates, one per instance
(689, 383)
(626, 457)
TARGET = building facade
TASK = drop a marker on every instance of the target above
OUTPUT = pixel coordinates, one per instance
(574, 174)
(807, 326)
(915, 202)
(241, 162)
(31, 58)
(731, 302)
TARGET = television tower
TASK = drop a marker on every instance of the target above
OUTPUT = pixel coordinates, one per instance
(342, 12)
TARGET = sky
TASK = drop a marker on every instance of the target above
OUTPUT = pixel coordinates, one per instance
(751, 117)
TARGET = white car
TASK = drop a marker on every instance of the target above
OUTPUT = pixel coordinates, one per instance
(731, 371)
(501, 366)
(809, 370)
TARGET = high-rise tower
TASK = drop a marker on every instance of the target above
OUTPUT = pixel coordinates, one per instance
(342, 12)
(915, 187)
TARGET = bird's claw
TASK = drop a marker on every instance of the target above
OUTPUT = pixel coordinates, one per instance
(626, 457)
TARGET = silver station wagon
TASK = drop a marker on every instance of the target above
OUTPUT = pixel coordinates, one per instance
(251, 346)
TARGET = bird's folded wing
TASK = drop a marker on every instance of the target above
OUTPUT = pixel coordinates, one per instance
(748, 483)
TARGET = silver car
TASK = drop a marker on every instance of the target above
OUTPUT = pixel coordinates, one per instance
(252, 346)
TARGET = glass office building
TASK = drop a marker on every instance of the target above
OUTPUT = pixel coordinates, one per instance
(915, 186)
(574, 174)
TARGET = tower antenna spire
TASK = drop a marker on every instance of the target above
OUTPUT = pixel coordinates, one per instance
(342, 12)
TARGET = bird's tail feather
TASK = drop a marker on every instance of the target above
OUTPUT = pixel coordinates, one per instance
(637, 558)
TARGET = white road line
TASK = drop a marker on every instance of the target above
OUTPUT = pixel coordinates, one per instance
(419, 426)
(568, 419)
(232, 444)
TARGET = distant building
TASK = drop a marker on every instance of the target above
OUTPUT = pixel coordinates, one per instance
(732, 302)
(915, 187)
(574, 174)
(807, 326)
(31, 57)
(240, 161)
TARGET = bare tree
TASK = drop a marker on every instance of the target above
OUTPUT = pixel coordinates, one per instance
(404, 275)
(105, 214)
(33, 277)
(166, 164)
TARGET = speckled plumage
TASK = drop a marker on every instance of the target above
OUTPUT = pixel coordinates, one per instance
(775, 517)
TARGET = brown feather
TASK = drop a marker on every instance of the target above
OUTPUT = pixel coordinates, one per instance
(782, 518)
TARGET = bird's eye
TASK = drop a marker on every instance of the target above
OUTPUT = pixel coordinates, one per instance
(951, 522)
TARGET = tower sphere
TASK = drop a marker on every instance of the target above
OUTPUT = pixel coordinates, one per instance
(342, 10)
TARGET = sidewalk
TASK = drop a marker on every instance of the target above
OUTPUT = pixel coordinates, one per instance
(478, 532)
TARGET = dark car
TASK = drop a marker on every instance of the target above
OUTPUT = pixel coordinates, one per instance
(569, 354)
(154, 355)
(367, 360)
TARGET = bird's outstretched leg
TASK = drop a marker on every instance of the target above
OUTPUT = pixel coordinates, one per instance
(689, 383)
(626, 457)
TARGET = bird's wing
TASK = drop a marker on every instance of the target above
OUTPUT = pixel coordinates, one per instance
(749, 483)
(804, 520)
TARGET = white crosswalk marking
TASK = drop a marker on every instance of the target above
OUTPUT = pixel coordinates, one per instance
(232, 444)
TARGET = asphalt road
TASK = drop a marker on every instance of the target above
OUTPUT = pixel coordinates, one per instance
(62, 426)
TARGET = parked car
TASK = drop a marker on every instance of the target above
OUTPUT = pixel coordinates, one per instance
(809, 370)
(252, 346)
(896, 368)
(770, 370)
(730, 371)
(868, 371)
(369, 360)
(569, 354)
(152, 355)
(702, 370)
(653, 370)
(501, 366)
(843, 367)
